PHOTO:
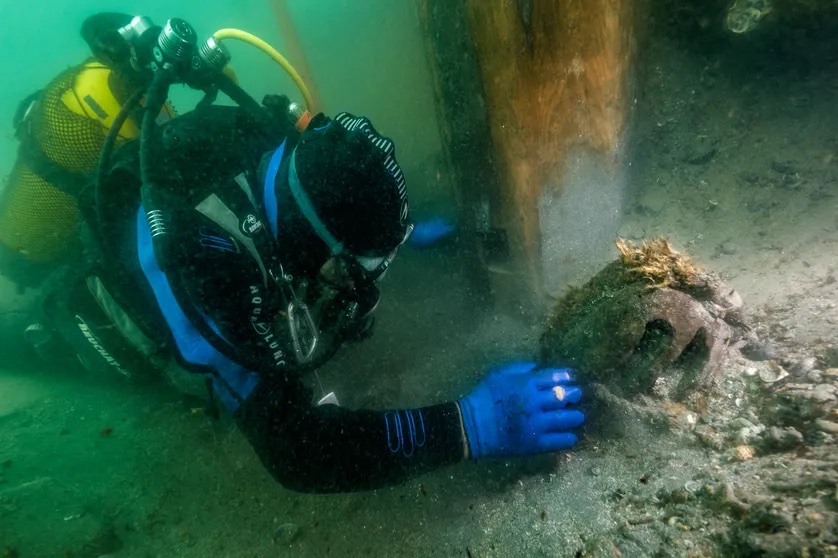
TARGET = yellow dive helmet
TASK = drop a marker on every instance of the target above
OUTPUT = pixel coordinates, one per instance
(61, 139)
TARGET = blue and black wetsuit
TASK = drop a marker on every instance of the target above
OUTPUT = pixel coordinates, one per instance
(213, 163)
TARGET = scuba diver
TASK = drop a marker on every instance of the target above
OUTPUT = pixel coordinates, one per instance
(246, 244)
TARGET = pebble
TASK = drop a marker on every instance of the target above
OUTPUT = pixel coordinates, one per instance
(601, 547)
(815, 376)
(686, 420)
(826, 426)
(741, 423)
(758, 350)
(692, 486)
(744, 435)
(701, 155)
(709, 437)
(804, 366)
(823, 439)
(782, 167)
(783, 438)
(806, 403)
(772, 374)
(748, 433)
(743, 452)
(729, 248)
(823, 393)
(631, 232)
(286, 533)
(652, 204)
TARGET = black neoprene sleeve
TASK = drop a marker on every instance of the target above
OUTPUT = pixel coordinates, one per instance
(331, 449)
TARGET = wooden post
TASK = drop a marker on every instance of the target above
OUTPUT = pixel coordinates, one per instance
(465, 134)
(556, 80)
(555, 76)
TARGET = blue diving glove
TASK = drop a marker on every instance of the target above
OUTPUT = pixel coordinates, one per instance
(428, 233)
(520, 410)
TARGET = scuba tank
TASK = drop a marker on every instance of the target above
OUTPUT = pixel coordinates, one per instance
(62, 130)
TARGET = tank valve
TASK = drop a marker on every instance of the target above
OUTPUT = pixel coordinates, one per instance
(299, 115)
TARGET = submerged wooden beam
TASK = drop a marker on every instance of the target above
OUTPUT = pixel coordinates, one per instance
(556, 79)
(465, 134)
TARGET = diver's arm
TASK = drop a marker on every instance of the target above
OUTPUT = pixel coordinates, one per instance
(306, 447)
(518, 409)
(331, 449)
(312, 448)
(325, 448)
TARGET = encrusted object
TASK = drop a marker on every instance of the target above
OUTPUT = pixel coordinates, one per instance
(651, 321)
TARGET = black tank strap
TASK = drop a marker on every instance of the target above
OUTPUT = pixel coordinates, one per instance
(67, 181)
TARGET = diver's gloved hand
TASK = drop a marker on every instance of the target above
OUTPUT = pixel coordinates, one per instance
(428, 233)
(520, 410)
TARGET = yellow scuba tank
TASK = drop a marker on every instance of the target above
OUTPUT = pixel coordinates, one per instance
(62, 138)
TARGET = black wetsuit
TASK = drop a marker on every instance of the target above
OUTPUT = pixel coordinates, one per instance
(214, 163)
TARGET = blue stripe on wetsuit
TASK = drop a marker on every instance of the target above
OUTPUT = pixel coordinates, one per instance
(269, 191)
(192, 346)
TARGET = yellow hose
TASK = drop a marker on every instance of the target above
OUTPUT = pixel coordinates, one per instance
(255, 41)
